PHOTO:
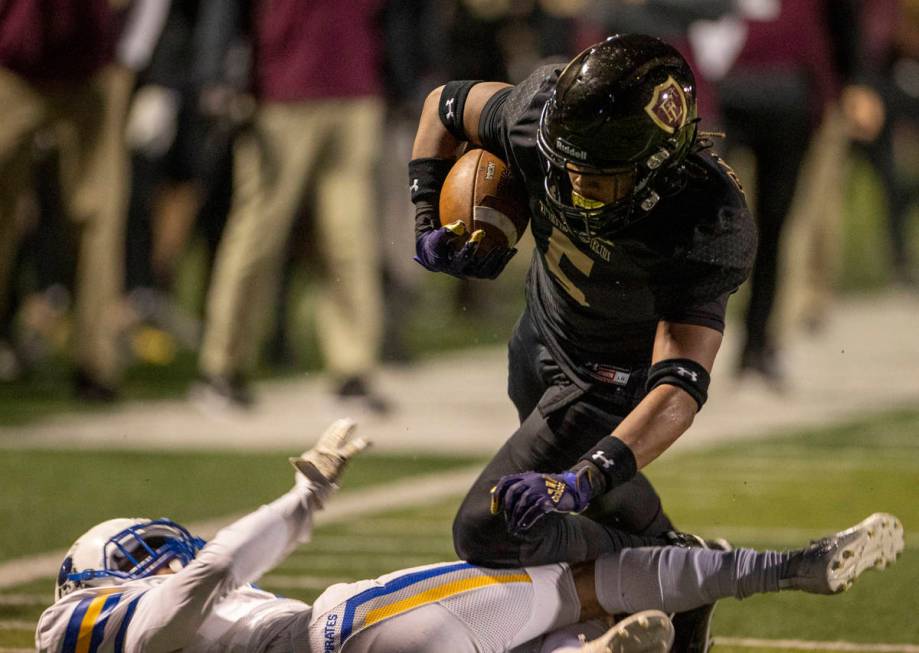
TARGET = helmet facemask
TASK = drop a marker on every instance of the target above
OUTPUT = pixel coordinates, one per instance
(118, 551)
(142, 551)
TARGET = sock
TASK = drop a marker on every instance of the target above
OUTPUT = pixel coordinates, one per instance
(675, 579)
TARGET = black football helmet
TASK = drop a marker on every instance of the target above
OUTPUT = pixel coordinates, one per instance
(623, 106)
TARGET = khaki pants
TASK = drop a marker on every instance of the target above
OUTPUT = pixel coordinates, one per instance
(89, 120)
(328, 147)
(813, 242)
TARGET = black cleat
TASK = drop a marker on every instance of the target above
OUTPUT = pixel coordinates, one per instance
(693, 628)
(220, 393)
(356, 390)
(87, 388)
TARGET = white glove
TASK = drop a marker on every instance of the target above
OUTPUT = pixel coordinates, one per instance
(324, 463)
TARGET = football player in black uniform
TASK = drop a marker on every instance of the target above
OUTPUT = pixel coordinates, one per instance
(641, 235)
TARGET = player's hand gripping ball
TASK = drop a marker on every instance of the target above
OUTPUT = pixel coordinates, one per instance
(484, 210)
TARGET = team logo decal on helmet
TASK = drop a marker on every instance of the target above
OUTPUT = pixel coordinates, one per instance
(667, 107)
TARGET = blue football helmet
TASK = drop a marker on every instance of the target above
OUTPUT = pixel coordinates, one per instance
(119, 550)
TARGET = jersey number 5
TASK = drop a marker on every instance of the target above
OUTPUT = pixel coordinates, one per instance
(561, 248)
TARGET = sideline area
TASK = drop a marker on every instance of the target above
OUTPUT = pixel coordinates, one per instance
(865, 360)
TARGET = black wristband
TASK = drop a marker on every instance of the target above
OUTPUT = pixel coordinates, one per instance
(614, 461)
(426, 176)
(684, 373)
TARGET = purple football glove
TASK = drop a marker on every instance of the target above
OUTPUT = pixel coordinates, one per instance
(528, 497)
(437, 248)
(447, 250)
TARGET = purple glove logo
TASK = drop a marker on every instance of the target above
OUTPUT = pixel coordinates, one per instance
(556, 489)
(528, 497)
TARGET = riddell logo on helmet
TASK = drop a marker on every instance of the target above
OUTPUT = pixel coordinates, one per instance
(667, 107)
(570, 149)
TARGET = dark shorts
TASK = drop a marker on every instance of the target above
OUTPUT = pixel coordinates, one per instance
(559, 422)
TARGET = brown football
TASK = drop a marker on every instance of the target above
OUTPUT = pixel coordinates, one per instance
(480, 191)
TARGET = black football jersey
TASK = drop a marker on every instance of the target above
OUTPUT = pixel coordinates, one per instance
(601, 300)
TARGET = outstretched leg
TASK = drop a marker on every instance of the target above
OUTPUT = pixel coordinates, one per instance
(675, 579)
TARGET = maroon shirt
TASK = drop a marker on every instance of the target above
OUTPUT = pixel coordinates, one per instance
(316, 49)
(58, 40)
(798, 39)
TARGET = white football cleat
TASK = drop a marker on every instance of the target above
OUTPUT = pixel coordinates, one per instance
(830, 565)
(649, 631)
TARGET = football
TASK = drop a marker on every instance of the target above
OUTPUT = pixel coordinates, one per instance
(481, 192)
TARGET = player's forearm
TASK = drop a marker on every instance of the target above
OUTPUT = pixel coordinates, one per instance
(262, 539)
(656, 423)
(659, 419)
(239, 554)
(432, 140)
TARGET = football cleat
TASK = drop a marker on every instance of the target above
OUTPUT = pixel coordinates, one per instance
(219, 394)
(693, 628)
(831, 564)
(649, 631)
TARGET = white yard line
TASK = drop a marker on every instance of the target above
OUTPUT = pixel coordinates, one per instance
(807, 645)
(16, 624)
(23, 600)
(394, 543)
(285, 582)
(407, 493)
(738, 642)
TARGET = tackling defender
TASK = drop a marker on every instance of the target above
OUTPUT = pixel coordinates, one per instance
(149, 585)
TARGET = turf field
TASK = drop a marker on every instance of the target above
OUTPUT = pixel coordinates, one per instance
(770, 493)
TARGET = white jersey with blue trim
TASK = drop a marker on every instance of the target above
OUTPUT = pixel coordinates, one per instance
(89, 620)
(209, 605)
(97, 620)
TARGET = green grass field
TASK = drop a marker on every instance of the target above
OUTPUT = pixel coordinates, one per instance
(774, 493)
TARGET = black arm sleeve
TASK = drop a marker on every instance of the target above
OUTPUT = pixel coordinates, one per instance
(710, 314)
(491, 121)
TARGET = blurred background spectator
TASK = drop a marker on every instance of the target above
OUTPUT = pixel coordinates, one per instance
(891, 66)
(182, 177)
(315, 139)
(319, 129)
(778, 66)
(67, 68)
